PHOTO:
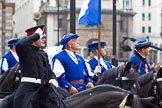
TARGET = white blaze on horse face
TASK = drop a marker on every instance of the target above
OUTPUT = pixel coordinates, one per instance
(122, 105)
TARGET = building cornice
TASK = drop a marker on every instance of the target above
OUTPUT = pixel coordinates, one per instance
(51, 10)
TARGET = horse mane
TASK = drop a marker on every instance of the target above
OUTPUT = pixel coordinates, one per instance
(145, 82)
(146, 78)
(100, 88)
(109, 75)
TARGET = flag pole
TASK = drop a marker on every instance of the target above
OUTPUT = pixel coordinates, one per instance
(99, 48)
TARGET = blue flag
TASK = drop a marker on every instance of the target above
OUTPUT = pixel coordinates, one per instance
(90, 13)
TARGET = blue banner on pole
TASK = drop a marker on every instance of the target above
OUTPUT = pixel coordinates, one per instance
(90, 13)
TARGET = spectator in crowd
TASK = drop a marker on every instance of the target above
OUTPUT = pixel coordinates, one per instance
(104, 64)
(9, 59)
(72, 72)
(35, 68)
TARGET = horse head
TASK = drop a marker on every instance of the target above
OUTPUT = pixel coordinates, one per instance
(11, 78)
(123, 76)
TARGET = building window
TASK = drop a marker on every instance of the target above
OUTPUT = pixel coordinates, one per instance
(121, 25)
(149, 16)
(149, 29)
(143, 29)
(149, 2)
(127, 4)
(60, 23)
(143, 2)
(143, 17)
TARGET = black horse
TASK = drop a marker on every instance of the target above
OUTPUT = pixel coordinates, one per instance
(101, 96)
(48, 90)
(151, 85)
(10, 80)
(123, 76)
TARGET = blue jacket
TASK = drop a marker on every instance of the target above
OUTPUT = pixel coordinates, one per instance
(10, 60)
(73, 71)
(93, 63)
(138, 61)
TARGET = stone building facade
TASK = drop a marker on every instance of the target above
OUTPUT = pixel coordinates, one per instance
(7, 9)
(124, 22)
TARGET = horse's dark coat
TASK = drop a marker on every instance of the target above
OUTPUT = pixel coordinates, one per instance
(150, 86)
(114, 75)
(101, 96)
(9, 81)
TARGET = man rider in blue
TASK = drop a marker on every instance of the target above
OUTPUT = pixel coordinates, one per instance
(71, 70)
(138, 58)
(104, 64)
(9, 59)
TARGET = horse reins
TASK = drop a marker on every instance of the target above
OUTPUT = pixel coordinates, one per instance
(120, 79)
(58, 96)
(17, 75)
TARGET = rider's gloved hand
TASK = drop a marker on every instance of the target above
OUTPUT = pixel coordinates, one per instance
(54, 82)
(40, 32)
(97, 70)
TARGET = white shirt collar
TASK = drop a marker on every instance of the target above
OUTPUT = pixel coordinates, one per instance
(72, 55)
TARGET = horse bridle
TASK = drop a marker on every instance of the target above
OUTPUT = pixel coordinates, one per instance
(59, 97)
(17, 75)
(120, 79)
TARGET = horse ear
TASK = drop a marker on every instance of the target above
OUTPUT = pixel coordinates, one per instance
(127, 67)
(159, 73)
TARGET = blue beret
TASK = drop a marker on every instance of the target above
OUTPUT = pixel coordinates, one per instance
(94, 45)
(66, 38)
(12, 42)
(142, 43)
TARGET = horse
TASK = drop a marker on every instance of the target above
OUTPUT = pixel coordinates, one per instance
(123, 76)
(101, 96)
(151, 85)
(45, 90)
(10, 80)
